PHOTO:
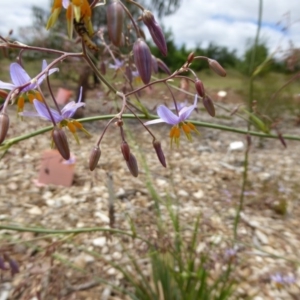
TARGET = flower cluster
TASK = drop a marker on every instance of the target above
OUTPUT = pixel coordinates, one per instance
(75, 10)
(178, 121)
(135, 65)
(27, 87)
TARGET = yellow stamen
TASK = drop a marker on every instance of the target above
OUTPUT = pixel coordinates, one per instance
(21, 101)
(39, 96)
(31, 97)
(175, 135)
(193, 127)
(56, 4)
(77, 124)
(71, 127)
(186, 128)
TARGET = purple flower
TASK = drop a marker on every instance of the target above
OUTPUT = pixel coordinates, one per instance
(19, 77)
(65, 3)
(136, 76)
(118, 65)
(66, 113)
(167, 116)
(178, 121)
(64, 118)
(281, 280)
(179, 105)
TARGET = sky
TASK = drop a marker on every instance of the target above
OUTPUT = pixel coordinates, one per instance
(230, 23)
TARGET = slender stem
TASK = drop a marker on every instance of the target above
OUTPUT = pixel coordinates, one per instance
(97, 72)
(251, 90)
(52, 96)
(7, 143)
(241, 202)
(139, 119)
(173, 97)
(70, 231)
(47, 107)
(131, 19)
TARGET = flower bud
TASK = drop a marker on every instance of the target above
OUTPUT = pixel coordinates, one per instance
(132, 165)
(282, 140)
(209, 105)
(128, 73)
(61, 142)
(155, 31)
(2, 264)
(190, 58)
(199, 87)
(163, 66)
(143, 59)
(3, 94)
(154, 64)
(14, 267)
(115, 19)
(4, 125)
(159, 153)
(125, 150)
(248, 139)
(94, 157)
(102, 68)
(216, 67)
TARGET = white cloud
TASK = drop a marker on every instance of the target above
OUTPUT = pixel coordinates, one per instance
(231, 23)
(18, 13)
(227, 23)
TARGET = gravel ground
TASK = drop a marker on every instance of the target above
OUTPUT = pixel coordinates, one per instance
(202, 177)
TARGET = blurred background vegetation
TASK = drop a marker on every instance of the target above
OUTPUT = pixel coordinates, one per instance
(275, 74)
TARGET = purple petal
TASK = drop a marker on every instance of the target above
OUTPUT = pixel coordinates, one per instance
(43, 112)
(18, 75)
(69, 110)
(65, 3)
(29, 114)
(80, 95)
(118, 64)
(51, 71)
(186, 111)
(44, 64)
(6, 85)
(180, 105)
(167, 116)
(154, 122)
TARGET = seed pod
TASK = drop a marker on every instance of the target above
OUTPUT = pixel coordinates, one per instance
(154, 64)
(61, 142)
(102, 68)
(128, 73)
(2, 264)
(4, 125)
(159, 153)
(209, 105)
(14, 267)
(190, 58)
(163, 66)
(94, 157)
(249, 141)
(132, 165)
(216, 67)
(199, 87)
(125, 150)
(3, 94)
(115, 19)
(143, 59)
(155, 31)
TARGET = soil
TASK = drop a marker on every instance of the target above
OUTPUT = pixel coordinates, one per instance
(202, 177)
